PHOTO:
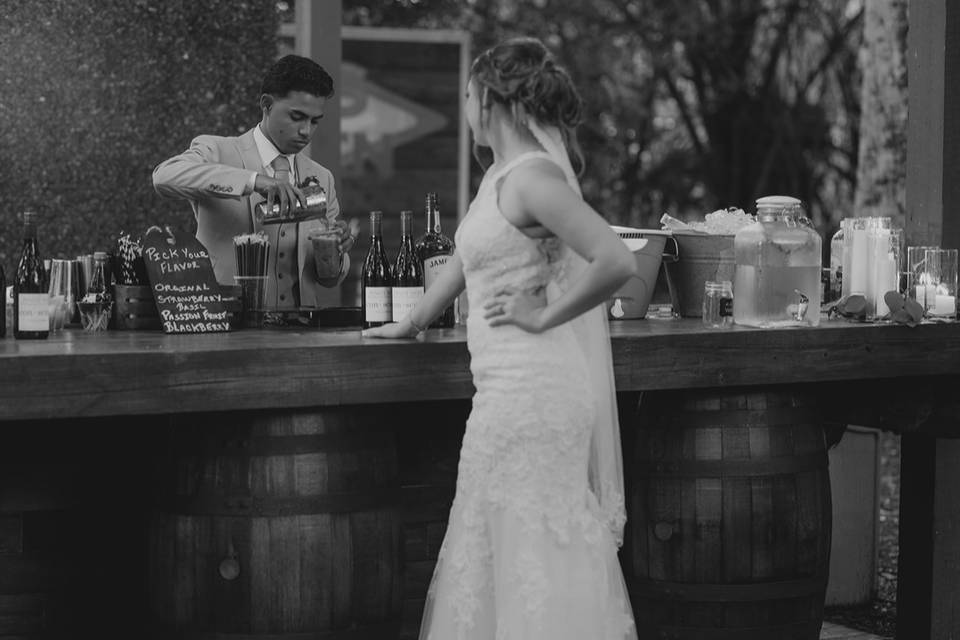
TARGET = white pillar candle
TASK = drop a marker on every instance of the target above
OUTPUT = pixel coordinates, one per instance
(885, 278)
(882, 266)
(925, 295)
(858, 262)
(944, 305)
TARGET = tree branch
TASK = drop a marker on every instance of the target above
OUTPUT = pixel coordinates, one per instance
(685, 112)
(778, 45)
(834, 47)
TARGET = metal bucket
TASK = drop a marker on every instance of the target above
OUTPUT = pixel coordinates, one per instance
(631, 301)
(702, 258)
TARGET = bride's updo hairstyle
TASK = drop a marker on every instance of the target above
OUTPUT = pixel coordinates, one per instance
(522, 75)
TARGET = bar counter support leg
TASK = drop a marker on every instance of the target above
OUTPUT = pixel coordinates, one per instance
(928, 583)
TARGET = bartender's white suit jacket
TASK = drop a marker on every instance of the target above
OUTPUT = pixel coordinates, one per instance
(212, 175)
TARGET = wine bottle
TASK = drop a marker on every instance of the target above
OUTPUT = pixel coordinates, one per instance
(407, 272)
(3, 297)
(376, 281)
(31, 300)
(434, 249)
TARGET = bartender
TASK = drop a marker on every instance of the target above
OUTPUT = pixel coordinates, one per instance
(225, 178)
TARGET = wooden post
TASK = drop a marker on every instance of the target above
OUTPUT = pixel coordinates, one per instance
(933, 131)
(318, 37)
(927, 591)
(930, 514)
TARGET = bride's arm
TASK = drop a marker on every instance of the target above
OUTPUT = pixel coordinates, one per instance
(538, 194)
(448, 285)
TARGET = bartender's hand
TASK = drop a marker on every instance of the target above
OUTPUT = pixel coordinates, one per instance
(280, 192)
(349, 232)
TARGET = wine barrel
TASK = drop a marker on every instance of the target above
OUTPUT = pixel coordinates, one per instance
(277, 524)
(730, 516)
(36, 512)
(70, 527)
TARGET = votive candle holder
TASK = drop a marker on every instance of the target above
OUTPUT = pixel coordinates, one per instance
(942, 265)
(920, 277)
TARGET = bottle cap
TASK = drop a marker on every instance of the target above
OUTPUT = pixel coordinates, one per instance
(29, 216)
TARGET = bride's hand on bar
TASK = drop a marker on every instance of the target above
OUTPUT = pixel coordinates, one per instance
(402, 329)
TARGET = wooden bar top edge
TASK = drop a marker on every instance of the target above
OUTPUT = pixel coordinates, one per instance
(130, 372)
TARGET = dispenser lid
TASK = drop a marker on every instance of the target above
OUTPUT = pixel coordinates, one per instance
(777, 201)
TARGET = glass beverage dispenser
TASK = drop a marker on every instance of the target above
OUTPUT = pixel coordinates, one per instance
(778, 262)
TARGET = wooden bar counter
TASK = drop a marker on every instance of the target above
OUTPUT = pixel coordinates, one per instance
(133, 373)
(85, 414)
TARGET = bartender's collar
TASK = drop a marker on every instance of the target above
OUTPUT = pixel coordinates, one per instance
(268, 151)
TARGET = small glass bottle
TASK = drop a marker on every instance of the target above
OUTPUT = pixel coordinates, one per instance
(99, 289)
(718, 304)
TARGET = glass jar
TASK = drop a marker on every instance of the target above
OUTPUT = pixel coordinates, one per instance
(777, 267)
(717, 304)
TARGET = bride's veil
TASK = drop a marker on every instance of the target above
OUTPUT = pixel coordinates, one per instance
(593, 335)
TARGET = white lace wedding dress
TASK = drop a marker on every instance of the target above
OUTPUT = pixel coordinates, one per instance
(527, 555)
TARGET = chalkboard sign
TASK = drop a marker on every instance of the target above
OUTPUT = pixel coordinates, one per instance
(183, 283)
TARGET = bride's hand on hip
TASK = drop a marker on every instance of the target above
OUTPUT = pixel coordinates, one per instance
(523, 309)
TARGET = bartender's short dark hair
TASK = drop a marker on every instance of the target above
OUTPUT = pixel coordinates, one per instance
(296, 73)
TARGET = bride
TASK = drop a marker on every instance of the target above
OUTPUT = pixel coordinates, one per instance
(530, 551)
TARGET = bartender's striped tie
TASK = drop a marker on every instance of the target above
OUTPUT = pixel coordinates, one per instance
(281, 168)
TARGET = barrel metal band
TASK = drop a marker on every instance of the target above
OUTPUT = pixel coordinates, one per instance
(772, 417)
(754, 592)
(267, 506)
(301, 444)
(780, 465)
(382, 631)
(787, 630)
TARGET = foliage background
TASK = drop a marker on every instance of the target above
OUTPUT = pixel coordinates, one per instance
(691, 105)
(94, 93)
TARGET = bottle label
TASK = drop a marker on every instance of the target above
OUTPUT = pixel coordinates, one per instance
(726, 307)
(34, 312)
(378, 302)
(432, 267)
(404, 300)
